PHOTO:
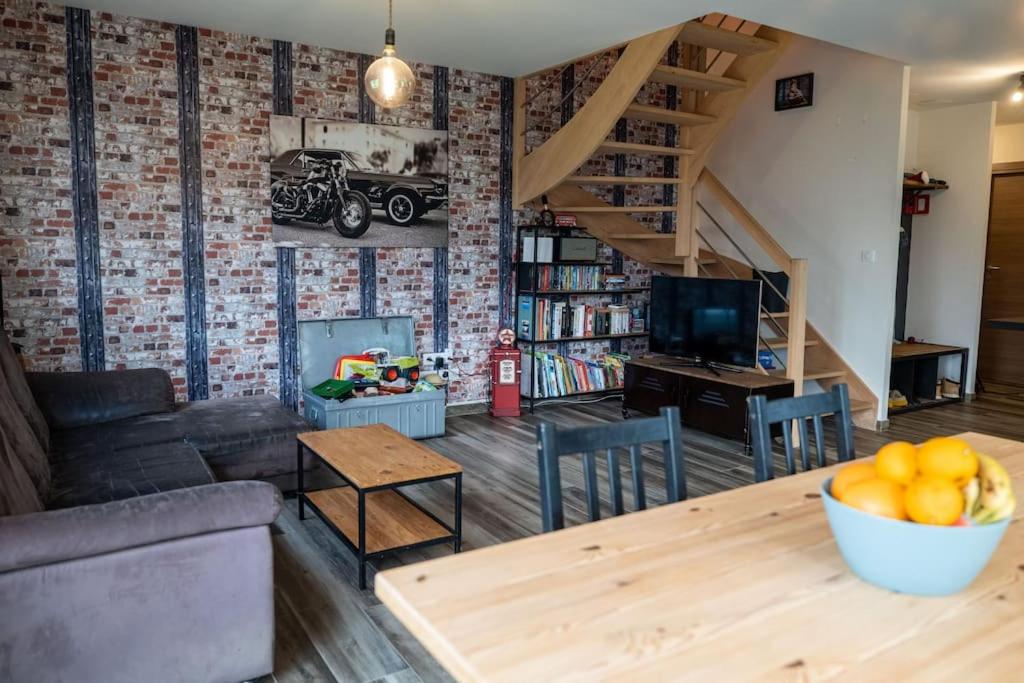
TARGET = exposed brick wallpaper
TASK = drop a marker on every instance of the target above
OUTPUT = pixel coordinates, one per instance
(37, 237)
(135, 85)
(236, 85)
(136, 105)
(139, 202)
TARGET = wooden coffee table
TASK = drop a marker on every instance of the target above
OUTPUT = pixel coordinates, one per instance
(369, 513)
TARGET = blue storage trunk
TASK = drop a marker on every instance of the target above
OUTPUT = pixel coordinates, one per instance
(418, 415)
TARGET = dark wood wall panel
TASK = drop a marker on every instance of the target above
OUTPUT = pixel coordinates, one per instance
(83, 187)
(287, 296)
(193, 261)
(367, 255)
(441, 253)
(506, 229)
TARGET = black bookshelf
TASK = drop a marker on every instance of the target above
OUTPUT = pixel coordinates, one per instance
(535, 292)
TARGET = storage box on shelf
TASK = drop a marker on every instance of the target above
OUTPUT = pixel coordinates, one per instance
(560, 301)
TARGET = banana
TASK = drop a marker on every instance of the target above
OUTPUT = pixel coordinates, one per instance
(995, 495)
(971, 493)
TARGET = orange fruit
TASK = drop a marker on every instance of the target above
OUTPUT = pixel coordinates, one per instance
(947, 457)
(931, 500)
(878, 497)
(850, 475)
(897, 461)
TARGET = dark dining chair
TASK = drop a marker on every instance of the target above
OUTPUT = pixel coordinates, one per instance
(764, 414)
(554, 443)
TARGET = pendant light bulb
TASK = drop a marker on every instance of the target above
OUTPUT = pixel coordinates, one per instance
(1018, 95)
(389, 81)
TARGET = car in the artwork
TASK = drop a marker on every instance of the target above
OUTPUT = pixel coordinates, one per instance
(403, 198)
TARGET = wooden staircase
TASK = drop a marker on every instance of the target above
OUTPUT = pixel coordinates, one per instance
(705, 69)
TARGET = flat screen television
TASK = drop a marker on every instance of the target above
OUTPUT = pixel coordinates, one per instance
(713, 320)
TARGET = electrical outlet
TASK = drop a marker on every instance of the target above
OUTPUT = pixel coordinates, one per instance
(436, 361)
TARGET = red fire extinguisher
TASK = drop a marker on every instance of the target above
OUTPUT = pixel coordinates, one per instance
(506, 367)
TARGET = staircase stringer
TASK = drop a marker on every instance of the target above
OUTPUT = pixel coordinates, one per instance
(576, 141)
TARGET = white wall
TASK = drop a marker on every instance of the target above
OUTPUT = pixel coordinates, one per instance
(1008, 144)
(911, 144)
(947, 252)
(825, 181)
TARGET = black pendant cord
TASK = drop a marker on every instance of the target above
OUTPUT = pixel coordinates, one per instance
(441, 292)
(193, 255)
(287, 292)
(367, 255)
(82, 125)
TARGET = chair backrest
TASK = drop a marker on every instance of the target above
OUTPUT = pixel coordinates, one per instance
(764, 414)
(553, 443)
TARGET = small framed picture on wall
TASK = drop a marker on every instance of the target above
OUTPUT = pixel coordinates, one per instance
(794, 92)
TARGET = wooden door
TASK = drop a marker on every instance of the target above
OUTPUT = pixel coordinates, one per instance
(1001, 353)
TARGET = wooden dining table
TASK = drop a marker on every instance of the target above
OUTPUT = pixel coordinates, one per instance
(738, 586)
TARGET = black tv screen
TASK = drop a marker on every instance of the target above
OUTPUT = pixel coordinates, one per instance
(710, 319)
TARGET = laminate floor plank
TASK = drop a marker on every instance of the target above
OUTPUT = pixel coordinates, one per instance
(329, 630)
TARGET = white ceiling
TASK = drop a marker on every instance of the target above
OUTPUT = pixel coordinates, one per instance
(961, 50)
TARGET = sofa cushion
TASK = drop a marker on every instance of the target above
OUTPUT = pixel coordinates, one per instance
(145, 430)
(101, 476)
(18, 496)
(76, 399)
(23, 442)
(249, 437)
(10, 369)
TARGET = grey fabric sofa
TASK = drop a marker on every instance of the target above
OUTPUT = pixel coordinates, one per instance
(126, 551)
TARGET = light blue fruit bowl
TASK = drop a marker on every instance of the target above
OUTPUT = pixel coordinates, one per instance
(917, 559)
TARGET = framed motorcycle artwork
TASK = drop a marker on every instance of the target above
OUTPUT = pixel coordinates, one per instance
(344, 184)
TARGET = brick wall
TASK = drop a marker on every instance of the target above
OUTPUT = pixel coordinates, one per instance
(136, 108)
(37, 237)
(135, 84)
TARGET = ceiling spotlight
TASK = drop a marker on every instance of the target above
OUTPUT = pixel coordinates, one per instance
(1018, 94)
(389, 80)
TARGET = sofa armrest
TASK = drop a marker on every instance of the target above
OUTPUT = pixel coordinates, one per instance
(72, 533)
(77, 399)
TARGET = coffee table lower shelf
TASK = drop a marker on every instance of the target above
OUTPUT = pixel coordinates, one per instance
(393, 522)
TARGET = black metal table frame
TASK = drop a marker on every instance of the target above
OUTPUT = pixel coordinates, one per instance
(455, 537)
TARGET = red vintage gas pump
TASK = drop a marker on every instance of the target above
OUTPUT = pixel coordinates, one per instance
(506, 367)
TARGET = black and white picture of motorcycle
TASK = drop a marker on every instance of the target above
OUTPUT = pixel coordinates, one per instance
(322, 195)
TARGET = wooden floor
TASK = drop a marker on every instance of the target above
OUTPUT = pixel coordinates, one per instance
(328, 630)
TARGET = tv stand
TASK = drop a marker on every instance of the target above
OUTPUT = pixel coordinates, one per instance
(708, 400)
(715, 369)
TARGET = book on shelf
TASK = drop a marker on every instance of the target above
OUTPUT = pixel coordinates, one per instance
(561, 277)
(551, 320)
(556, 375)
(543, 246)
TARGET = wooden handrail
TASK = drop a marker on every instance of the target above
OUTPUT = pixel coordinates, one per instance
(747, 221)
(576, 141)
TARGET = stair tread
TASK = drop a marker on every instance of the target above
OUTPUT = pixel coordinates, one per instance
(680, 260)
(782, 342)
(814, 373)
(646, 112)
(622, 180)
(614, 209)
(698, 80)
(780, 314)
(642, 236)
(696, 33)
(615, 147)
(857, 406)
